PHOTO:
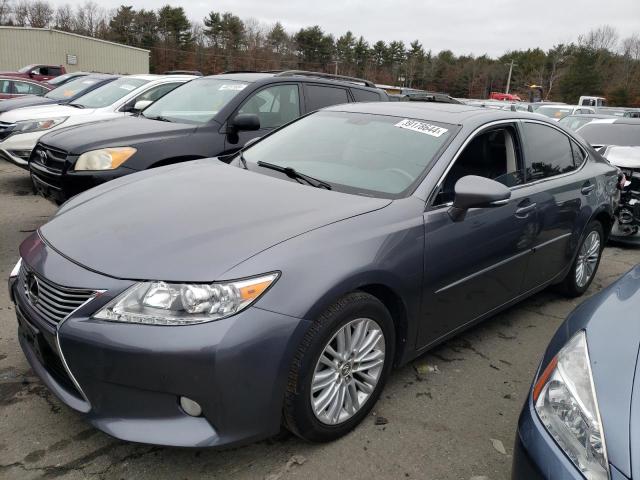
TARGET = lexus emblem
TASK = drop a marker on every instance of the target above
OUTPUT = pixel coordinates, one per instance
(33, 289)
(43, 156)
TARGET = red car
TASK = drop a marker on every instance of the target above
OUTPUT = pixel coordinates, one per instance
(508, 97)
(40, 73)
(13, 87)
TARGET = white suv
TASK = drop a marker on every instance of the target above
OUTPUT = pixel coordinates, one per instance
(21, 128)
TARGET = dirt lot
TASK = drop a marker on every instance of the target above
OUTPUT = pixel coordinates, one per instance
(447, 414)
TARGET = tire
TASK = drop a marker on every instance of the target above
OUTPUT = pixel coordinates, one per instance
(571, 286)
(317, 424)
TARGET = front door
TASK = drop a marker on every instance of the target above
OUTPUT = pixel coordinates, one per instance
(474, 266)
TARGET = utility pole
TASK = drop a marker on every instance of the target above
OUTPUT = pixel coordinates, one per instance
(511, 65)
(336, 67)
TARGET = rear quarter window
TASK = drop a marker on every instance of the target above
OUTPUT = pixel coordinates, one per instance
(320, 96)
(365, 95)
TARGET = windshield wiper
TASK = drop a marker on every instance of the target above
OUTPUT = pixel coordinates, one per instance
(293, 173)
(159, 118)
(242, 159)
(76, 105)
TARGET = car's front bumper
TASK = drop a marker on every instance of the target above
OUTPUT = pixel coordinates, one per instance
(129, 378)
(536, 456)
(17, 147)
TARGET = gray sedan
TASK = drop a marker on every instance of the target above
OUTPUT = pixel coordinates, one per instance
(206, 304)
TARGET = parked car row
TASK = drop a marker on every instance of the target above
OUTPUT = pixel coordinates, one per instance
(418, 220)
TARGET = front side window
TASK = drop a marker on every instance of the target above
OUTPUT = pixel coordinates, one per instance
(71, 88)
(549, 152)
(157, 92)
(318, 96)
(494, 154)
(110, 93)
(275, 105)
(197, 101)
(371, 155)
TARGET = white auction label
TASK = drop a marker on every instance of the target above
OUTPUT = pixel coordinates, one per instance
(421, 127)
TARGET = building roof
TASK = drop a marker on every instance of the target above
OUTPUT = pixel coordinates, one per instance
(73, 35)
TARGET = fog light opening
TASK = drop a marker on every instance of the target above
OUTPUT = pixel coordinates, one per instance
(190, 407)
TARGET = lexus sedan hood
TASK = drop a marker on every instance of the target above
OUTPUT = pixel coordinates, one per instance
(26, 101)
(613, 336)
(191, 222)
(118, 132)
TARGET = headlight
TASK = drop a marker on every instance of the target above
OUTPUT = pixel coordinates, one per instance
(162, 303)
(16, 270)
(104, 159)
(37, 125)
(565, 400)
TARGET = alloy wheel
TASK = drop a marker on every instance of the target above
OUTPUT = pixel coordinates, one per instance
(347, 371)
(587, 259)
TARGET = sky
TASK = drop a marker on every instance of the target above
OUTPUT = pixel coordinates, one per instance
(463, 26)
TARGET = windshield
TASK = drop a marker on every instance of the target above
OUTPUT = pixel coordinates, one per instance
(574, 123)
(195, 102)
(26, 69)
(71, 89)
(621, 134)
(110, 93)
(555, 112)
(372, 155)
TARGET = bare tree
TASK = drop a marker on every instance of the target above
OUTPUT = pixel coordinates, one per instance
(5, 11)
(21, 13)
(39, 13)
(602, 38)
(64, 19)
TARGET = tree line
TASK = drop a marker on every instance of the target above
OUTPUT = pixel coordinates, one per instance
(596, 63)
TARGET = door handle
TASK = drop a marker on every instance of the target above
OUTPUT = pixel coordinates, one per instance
(523, 212)
(587, 188)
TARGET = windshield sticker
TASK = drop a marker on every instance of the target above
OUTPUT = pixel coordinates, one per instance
(421, 127)
(128, 88)
(234, 86)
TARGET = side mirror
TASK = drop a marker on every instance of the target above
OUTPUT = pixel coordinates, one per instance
(244, 122)
(251, 141)
(141, 105)
(477, 192)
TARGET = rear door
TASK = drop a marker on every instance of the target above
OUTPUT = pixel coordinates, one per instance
(318, 96)
(558, 189)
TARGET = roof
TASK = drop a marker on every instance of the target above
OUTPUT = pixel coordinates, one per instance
(74, 35)
(436, 112)
(151, 77)
(299, 75)
(243, 76)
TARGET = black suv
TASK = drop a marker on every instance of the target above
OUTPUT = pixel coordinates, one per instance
(207, 117)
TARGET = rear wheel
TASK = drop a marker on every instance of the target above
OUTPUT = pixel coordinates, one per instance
(587, 260)
(340, 368)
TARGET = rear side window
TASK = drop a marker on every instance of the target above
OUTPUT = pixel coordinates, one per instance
(318, 96)
(365, 95)
(549, 152)
(5, 86)
(54, 71)
(25, 88)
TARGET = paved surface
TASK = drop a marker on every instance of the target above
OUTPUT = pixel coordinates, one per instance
(448, 413)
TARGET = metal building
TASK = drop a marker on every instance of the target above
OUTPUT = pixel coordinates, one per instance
(21, 46)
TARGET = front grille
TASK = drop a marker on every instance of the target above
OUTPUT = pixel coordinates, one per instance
(5, 129)
(51, 301)
(51, 158)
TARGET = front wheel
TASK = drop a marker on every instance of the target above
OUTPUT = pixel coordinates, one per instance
(585, 266)
(340, 368)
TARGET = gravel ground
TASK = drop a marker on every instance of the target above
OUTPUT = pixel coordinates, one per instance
(451, 414)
